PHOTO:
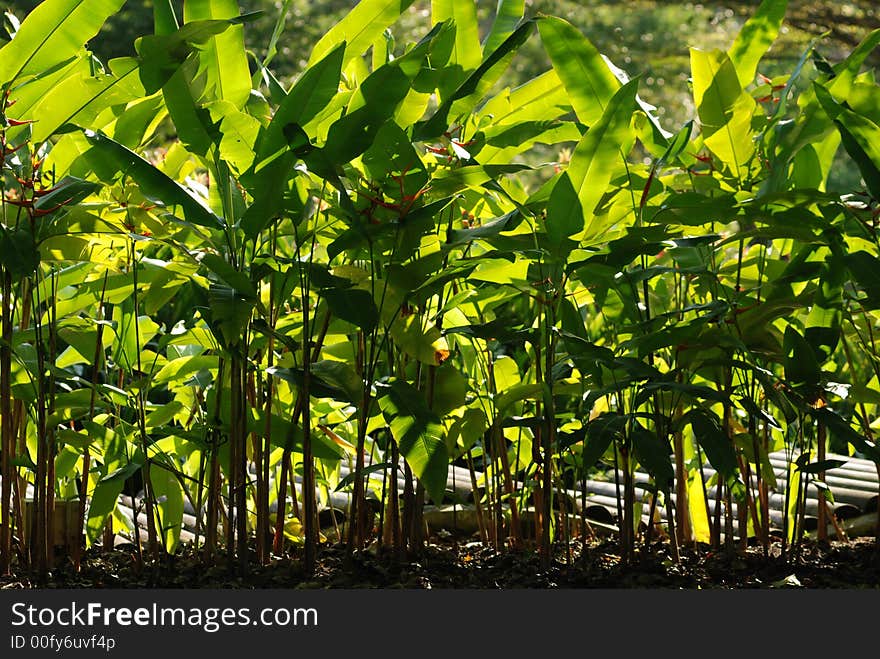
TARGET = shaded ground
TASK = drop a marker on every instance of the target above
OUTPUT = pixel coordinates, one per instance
(470, 565)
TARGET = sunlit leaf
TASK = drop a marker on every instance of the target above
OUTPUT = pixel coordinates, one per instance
(52, 33)
(583, 71)
(725, 110)
(756, 36)
(154, 183)
(579, 189)
(360, 28)
(222, 58)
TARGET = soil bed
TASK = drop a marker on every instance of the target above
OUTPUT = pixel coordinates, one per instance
(855, 564)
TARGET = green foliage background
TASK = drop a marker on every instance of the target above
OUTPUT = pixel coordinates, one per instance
(411, 249)
(644, 38)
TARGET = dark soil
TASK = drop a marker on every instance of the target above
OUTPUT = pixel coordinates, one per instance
(443, 564)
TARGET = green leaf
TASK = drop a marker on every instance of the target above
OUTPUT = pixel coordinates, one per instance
(865, 269)
(488, 229)
(223, 57)
(467, 430)
(341, 376)
(677, 145)
(18, 252)
(229, 311)
(116, 469)
(308, 96)
(475, 86)
(359, 28)
(418, 433)
(140, 121)
(130, 337)
(393, 160)
(27, 96)
(755, 38)
(501, 271)
(801, 365)
(67, 192)
(352, 305)
(101, 506)
(508, 14)
(372, 469)
(164, 414)
(588, 80)
(695, 209)
(725, 110)
(53, 32)
(848, 70)
(164, 18)
(821, 465)
(178, 370)
(169, 507)
(841, 428)
(654, 455)
(82, 335)
(80, 99)
(161, 55)
(690, 390)
(601, 431)
(597, 156)
(229, 275)
(285, 434)
(191, 121)
(373, 104)
(451, 181)
(543, 98)
(274, 193)
(518, 392)
(504, 142)
(860, 137)
(450, 389)
(420, 340)
(466, 54)
(154, 183)
(329, 379)
(238, 132)
(715, 442)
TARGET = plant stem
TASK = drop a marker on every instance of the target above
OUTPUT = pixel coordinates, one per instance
(7, 445)
(822, 530)
(214, 486)
(86, 458)
(149, 499)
